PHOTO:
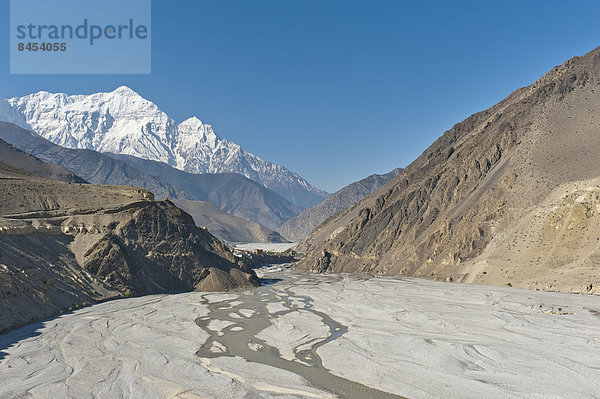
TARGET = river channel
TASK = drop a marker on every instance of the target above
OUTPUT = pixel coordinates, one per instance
(248, 314)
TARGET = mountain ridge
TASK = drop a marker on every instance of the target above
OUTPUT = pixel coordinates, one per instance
(123, 122)
(22, 160)
(300, 226)
(251, 201)
(231, 192)
(227, 227)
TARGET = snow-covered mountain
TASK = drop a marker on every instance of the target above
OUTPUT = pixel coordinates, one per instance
(123, 122)
(11, 115)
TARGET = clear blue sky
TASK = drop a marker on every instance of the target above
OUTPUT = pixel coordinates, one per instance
(337, 90)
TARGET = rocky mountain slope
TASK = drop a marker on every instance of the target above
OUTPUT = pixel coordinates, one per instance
(93, 166)
(231, 192)
(511, 196)
(123, 122)
(17, 158)
(225, 226)
(64, 244)
(300, 226)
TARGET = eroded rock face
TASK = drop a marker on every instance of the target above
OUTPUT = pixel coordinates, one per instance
(474, 205)
(155, 248)
(63, 245)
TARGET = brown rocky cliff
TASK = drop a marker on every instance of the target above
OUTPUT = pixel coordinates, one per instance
(158, 248)
(63, 245)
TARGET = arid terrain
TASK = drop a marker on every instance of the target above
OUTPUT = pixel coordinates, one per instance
(64, 245)
(307, 336)
(510, 196)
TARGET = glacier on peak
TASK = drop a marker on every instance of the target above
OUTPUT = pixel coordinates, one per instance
(123, 122)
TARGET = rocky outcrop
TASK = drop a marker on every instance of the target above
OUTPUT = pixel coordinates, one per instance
(63, 245)
(476, 205)
(300, 226)
(152, 248)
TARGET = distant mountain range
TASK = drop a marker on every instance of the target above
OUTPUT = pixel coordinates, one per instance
(231, 192)
(225, 226)
(300, 226)
(122, 122)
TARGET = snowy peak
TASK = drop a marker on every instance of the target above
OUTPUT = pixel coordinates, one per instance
(120, 121)
(125, 91)
(195, 128)
(123, 122)
(192, 122)
(193, 132)
(197, 145)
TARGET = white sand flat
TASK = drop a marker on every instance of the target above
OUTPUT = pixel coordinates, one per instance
(411, 337)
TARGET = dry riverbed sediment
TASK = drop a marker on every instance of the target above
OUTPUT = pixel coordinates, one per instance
(315, 336)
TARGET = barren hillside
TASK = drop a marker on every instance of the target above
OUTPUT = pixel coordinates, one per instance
(511, 196)
(65, 244)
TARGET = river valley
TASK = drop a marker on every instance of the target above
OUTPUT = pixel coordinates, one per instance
(315, 336)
